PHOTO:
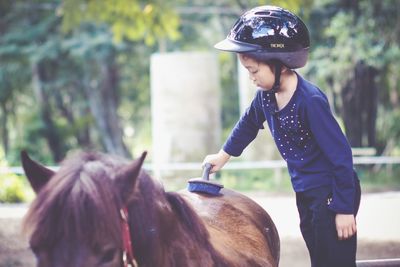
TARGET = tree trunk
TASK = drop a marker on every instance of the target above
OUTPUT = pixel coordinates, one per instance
(82, 134)
(50, 131)
(4, 128)
(102, 95)
(360, 104)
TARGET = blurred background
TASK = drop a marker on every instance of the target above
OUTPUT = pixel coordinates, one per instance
(123, 76)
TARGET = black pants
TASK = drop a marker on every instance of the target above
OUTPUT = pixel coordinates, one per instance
(317, 225)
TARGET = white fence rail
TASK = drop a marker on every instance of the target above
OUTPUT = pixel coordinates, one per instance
(379, 263)
(234, 165)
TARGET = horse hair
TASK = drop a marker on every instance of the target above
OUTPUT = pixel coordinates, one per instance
(80, 203)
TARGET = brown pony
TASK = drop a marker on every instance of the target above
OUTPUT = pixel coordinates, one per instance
(75, 219)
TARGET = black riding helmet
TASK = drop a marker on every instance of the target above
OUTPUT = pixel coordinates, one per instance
(270, 34)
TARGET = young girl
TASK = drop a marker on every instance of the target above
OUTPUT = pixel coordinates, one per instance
(271, 42)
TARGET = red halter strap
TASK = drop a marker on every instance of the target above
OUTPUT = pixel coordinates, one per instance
(128, 257)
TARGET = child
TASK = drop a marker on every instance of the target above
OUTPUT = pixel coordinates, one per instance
(271, 42)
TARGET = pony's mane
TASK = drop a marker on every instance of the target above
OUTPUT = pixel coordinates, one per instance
(78, 203)
(81, 204)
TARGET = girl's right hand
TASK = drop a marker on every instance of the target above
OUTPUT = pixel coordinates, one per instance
(217, 160)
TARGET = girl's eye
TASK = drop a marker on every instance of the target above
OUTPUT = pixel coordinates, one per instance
(253, 71)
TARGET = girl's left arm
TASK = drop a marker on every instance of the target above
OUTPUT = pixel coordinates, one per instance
(336, 148)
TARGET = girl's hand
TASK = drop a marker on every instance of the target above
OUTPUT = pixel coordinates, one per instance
(217, 160)
(345, 226)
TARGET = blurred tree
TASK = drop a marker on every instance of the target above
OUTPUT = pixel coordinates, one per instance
(128, 19)
(92, 49)
(16, 43)
(356, 50)
(74, 74)
(150, 21)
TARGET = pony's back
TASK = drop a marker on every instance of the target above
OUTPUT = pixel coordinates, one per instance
(239, 228)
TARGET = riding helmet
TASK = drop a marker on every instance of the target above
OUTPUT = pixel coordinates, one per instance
(269, 33)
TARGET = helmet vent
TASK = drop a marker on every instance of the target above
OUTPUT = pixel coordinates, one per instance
(263, 13)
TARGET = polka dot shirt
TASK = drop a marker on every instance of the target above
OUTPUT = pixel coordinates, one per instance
(308, 137)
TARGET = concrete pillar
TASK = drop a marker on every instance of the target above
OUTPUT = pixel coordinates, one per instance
(263, 147)
(185, 106)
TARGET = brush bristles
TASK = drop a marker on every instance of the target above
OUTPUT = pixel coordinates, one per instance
(203, 188)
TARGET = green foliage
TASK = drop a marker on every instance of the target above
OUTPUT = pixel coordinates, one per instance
(13, 188)
(373, 178)
(296, 6)
(265, 180)
(135, 108)
(379, 177)
(349, 46)
(230, 93)
(347, 33)
(128, 19)
(389, 130)
(73, 39)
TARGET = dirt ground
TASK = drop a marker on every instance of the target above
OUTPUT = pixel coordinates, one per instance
(14, 251)
(378, 225)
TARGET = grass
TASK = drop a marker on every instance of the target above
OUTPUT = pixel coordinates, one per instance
(373, 179)
(14, 189)
(379, 178)
(241, 180)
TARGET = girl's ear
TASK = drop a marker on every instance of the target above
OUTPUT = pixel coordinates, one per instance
(37, 174)
(125, 180)
(284, 69)
(242, 56)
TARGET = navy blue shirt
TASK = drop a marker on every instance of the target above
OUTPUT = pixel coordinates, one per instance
(309, 139)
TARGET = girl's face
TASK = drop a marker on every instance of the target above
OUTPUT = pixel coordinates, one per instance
(260, 73)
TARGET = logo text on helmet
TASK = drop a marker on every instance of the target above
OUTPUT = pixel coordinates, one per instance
(277, 45)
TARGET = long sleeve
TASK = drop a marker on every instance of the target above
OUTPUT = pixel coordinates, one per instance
(246, 129)
(336, 148)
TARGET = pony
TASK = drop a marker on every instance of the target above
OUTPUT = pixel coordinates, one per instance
(100, 210)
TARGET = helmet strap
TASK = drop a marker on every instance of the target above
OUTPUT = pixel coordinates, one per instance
(277, 82)
(275, 87)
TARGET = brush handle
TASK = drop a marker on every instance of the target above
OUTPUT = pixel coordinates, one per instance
(206, 171)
